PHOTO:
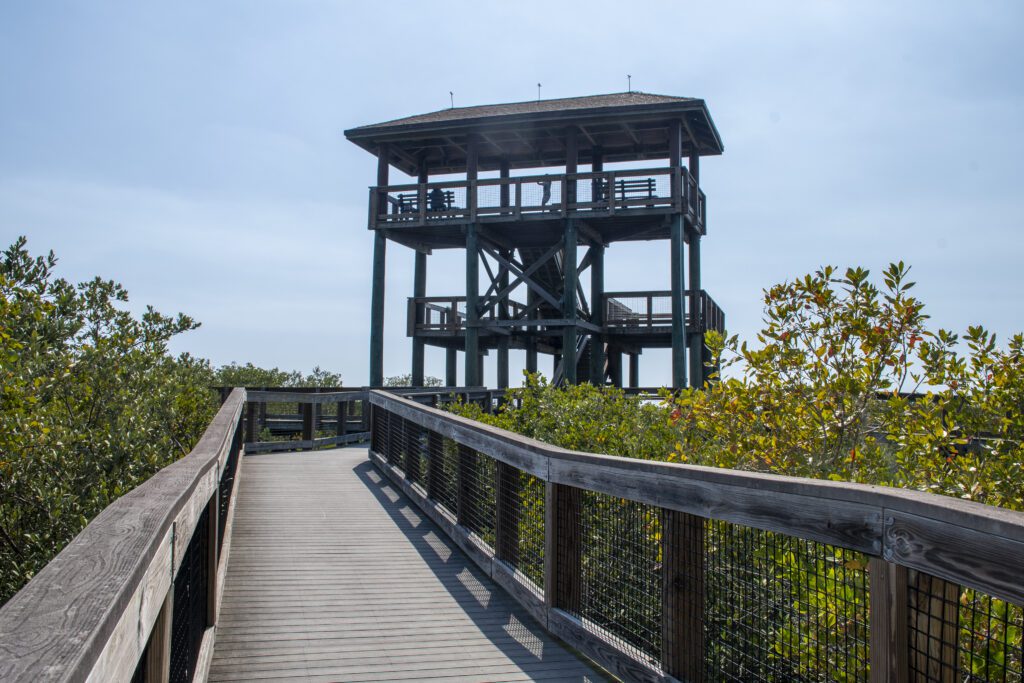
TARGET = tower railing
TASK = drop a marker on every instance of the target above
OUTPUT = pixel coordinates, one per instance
(652, 310)
(539, 197)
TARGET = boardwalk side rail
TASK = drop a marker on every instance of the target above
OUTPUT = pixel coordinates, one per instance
(663, 572)
(135, 596)
(331, 417)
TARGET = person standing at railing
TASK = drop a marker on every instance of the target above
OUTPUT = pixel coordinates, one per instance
(437, 202)
(545, 186)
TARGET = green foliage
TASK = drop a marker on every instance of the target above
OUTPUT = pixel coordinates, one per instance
(846, 382)
(249, 375)
(406, 381)
(91, 404)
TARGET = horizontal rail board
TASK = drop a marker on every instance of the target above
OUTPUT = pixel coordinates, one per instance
(277, 446)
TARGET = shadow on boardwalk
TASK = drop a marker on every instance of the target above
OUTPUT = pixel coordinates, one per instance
(335, 576)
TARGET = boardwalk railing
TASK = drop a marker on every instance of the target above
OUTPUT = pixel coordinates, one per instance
(302, 418)
(136, 594)
(664, 572)
(650, 310)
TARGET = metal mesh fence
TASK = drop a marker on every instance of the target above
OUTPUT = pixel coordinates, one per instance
(958, 634)
(780, 608)
(640, 310)
(520, 522)
(442, 471)
(620, 564)
(226, 487)
(190, 608)
(476, 496)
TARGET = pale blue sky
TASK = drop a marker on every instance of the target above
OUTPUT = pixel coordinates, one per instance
(194, 150)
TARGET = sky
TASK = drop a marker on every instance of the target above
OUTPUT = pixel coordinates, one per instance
(193, 151)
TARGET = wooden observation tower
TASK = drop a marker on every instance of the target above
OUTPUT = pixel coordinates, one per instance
(530, 239)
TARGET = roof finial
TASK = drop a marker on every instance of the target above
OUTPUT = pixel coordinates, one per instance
(452, 96)
(538, 92)
(629, 82)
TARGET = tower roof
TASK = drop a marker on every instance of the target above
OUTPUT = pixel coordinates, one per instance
(623, 126)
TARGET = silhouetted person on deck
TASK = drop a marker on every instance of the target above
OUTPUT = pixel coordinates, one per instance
(437, 202)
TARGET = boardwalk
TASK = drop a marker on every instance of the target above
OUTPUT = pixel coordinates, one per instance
(334, 576)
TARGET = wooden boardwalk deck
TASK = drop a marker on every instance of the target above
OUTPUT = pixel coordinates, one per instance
(335, 576)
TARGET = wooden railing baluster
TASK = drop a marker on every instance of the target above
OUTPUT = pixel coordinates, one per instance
(682, 620)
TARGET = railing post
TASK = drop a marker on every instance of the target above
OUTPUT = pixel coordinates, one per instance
(411, 463)
(307, 421)
(682, 583)
(250, 421)
(507, 487)
(158, 650)
(562, 547)
(888, 647)
(212, 560)
(933, 615)
(435, 456)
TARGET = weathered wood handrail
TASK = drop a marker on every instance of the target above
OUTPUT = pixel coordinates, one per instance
(920, 548)
(102, 610)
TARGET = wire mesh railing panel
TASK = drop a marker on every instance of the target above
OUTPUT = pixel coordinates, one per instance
(620, 572)
(779, 608)
(540, 194)
(640, 310)
(960, 634)
(442, 471)
(520, 522)
(476, 495)
(226, 487)
(412, 446)
(190, 604)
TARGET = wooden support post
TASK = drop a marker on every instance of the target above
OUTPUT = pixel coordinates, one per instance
(634, 370)
(697, 322)
(308, 425)
(507, 491)
(411, 463)
(472, 336)
(615, 367)
(889, 635)
(683, 596)
(250, 422)
(571, 165)
(503, 193)
(341, 426)
(377, 310)
(933, 615)
(450, 367)
(503, 314)
(435, 467)
(678, 304)
(158, 650)
(569, 359)
(563, 548)
(531, 340)
(597, 362)
(419, 289)
(465, 514)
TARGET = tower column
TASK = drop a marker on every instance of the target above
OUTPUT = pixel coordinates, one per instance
(472, 360)
(634, 369)
(696, 319)
(419, 289)
(503, 278)
(597, 374)
(451, 377)
(377, 284)
(569, 304)
(676, 248)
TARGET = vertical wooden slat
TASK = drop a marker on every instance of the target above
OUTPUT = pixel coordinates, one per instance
(933, 615)
(412, 454)
(683, 595)
(507, 490)
(307, 421)
(158, 651)
(888, 590)
(250, 422)
(563, 547)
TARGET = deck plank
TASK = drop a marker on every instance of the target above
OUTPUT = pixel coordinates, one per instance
(335, 576)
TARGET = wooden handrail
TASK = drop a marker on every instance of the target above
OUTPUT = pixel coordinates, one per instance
(91, 611)
(958, 542)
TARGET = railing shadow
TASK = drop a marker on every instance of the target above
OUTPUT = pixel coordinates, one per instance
(494, 612)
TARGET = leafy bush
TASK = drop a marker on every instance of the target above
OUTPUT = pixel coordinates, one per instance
(91, 404)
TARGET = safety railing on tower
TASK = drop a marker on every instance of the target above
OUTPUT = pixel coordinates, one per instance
(652, 310)
(593, 194)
